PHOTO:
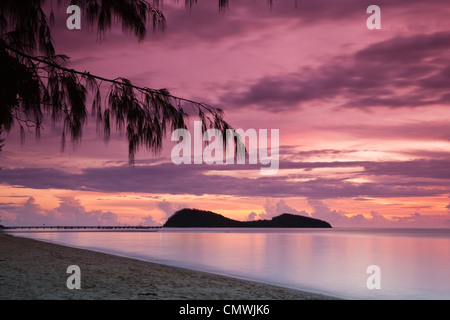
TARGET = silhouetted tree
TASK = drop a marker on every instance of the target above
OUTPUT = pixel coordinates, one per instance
(34, 80)
(1, 141)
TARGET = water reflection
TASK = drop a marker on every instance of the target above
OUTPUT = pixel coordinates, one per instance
(414, 264)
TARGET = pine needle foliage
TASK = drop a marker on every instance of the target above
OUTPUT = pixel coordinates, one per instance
(35, 81)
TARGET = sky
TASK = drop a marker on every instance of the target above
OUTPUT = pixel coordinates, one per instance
(363, 118)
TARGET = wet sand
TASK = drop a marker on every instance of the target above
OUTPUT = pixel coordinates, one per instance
(36, 270)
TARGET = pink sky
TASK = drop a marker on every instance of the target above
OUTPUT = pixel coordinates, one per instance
(363, 116)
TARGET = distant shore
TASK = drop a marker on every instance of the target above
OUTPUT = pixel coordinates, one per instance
(31, 269)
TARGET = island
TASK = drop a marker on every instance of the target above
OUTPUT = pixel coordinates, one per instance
(195, 218)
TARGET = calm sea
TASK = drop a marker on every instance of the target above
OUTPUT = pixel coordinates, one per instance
(413, 263)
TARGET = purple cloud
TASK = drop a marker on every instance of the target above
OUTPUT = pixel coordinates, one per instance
(340, 218)
(169, 208)
(272, 209)
(198, 180)
(436, 169)
(400, 72)
(69, 212)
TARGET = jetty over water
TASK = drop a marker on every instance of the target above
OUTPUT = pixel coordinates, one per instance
(142, 228)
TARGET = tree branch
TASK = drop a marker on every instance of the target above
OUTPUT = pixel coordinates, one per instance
(112, 81)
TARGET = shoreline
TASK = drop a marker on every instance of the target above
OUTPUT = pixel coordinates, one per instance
(36, 270)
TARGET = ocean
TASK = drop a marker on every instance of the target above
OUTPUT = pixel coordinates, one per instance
(346, 263)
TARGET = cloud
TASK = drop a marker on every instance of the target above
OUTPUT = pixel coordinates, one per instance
(436, 169)
(148, 221)
(416, 178)
(29, 213)
(323, 212)
(273, 209)
(320, 211)
(289, 152)
(169, 208)
(251, 216)
(415, 131)
(69, 212)
(340, 218)
(399, 72)
(202, 23)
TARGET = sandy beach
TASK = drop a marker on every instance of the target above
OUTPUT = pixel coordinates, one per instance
(31, 269)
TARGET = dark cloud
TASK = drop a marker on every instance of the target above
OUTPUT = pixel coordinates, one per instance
(391, 179)
(313, 153)
(416, 131)
(400, 72)
(408, 50)
(204, 23)
(435, 169)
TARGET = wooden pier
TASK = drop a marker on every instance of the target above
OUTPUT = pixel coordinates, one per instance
(83, 228)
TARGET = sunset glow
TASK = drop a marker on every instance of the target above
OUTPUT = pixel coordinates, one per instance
(363, 117)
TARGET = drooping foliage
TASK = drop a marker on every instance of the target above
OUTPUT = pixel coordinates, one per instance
(35, 81)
